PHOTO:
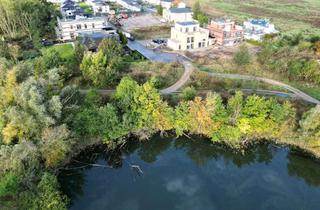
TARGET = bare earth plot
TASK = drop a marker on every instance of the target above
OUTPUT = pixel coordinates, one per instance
(142, 21)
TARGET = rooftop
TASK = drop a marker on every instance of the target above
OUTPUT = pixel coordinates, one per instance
(188, 23)
(166, 0)
(261, 22)
(84, 19)
(180, 10)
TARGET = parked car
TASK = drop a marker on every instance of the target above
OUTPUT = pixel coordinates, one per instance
(129, 36)
(46, 42)
(159, 41)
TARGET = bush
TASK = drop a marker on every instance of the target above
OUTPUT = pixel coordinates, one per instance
(188, 93)
(49, 197)
(242, 56)
(9, 185)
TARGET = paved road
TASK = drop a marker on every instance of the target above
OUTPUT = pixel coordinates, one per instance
(297, 92)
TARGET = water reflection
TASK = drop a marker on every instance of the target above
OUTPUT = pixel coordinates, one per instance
(191, 174)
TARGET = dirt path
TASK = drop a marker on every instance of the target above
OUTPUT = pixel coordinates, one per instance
(297, 92)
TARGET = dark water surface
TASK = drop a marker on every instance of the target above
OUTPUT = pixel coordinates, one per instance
(184, 174)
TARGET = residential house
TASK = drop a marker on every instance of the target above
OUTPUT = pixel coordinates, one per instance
(69, 29)
(177, 14)
(256, 29)
(99, 7)
(132, 5)
(188, 35)
(70, 9)
(166, 4)
(226, 32)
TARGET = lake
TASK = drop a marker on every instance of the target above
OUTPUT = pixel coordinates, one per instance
(191, 174)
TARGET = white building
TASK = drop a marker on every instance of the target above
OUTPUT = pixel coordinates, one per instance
(132, 5)
(69, 29)
(256, 29)
(99, 6)
(166, 4)
(177, 14)
(188, 35)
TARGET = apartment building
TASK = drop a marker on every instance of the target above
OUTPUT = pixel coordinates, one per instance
(69, 29)
(256, 29)
(178, 14)
(188, 35)
(226, 32)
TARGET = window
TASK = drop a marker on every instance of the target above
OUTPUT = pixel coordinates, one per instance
(187, 30)
(181, 29)
(179, 47)
(191, 46)
(93, 26)
(85, 26)
(72, 35)
(188, 40)
(78, 26)
(192, 39)
(194, 28)
(71, 26)
(188, 47)
(199, 44)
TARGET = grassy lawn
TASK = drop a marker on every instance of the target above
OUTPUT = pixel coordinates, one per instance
(65, 50)
(288, 15)
(152, 32)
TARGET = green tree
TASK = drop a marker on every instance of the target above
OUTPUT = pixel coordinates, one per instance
(203, 19)
(55, 144)
(9, 185)
(97, 69)
(235, 104)
(48, 195)
(159, 10)
(102, 68)
(123, 38)
(242, 56)
(188, 93)
(310, 124)
(196, 9)
(182, 118)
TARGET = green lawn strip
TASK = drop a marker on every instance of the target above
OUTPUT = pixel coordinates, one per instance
(65, 50)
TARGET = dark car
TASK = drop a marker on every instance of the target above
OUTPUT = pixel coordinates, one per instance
(47, 43)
